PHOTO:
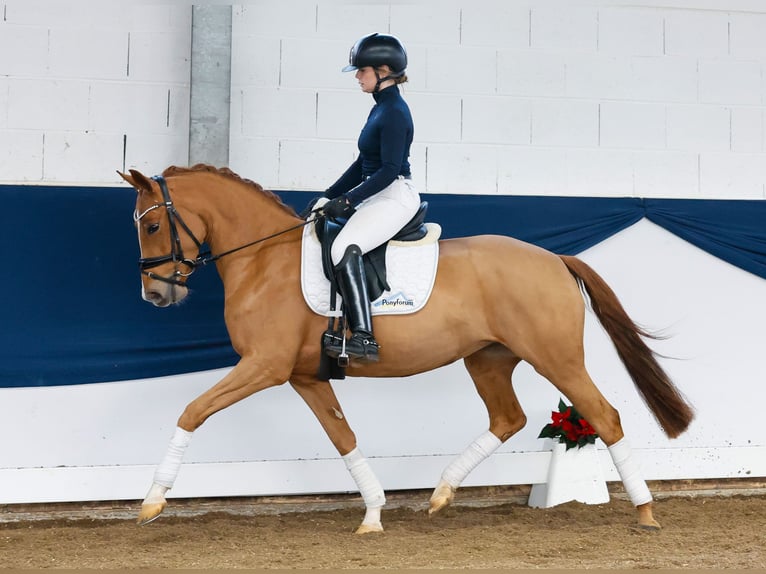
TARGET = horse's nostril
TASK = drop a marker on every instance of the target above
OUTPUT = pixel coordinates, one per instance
(153, 296)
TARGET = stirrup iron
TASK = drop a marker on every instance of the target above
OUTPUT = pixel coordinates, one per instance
(343, 359)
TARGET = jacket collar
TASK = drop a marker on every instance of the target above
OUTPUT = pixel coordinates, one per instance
(386, 93)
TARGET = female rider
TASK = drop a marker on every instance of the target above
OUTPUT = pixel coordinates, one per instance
(376, 192)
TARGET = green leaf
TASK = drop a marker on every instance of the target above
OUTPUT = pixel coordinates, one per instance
(548, 431)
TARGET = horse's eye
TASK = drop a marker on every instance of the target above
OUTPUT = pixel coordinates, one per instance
(153, 228)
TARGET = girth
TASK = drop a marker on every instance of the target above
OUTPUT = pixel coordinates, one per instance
(374, 261)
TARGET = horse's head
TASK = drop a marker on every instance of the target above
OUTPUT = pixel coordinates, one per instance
(167, 243)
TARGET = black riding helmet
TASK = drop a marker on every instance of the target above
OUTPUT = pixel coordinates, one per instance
(376, 50)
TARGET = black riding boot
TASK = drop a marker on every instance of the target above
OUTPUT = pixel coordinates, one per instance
(352, 284)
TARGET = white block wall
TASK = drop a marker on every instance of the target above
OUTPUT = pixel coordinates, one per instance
(655, 99)
(90, 88)
(660, 98)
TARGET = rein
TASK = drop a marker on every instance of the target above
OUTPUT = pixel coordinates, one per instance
(176, 254)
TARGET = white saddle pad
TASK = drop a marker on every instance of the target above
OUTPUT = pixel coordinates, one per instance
(410, 268)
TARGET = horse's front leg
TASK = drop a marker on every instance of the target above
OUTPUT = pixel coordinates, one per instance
(321, 399)
(246, 378)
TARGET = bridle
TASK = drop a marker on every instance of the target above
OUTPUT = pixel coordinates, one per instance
(176, 254)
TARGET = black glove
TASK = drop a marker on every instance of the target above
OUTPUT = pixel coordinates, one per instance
(338, 208)
(307, 210)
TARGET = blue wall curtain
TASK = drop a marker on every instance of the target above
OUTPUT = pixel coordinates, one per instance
(71, 306)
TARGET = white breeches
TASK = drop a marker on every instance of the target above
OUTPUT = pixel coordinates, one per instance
(378, 218)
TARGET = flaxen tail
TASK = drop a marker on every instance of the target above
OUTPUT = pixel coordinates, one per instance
(660, 394)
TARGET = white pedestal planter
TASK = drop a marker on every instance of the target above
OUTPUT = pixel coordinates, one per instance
(573, 474)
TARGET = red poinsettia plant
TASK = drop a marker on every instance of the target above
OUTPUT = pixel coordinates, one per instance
(569, 427)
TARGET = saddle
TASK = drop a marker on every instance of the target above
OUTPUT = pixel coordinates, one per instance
(375, 271)
(374, 261)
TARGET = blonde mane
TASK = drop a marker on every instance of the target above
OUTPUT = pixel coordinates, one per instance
(228, 174)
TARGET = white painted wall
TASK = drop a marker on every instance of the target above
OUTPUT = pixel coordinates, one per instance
(87, 88)
(541, 98)
(651, 98)
(531, 97)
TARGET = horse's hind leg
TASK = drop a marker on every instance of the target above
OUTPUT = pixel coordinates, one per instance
(321, 399)
(490, 369)
(579, 388)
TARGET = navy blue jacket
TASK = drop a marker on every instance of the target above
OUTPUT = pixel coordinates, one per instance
(384, 149)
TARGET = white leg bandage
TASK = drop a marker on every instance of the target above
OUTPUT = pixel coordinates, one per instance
(470, 458)
(167, 471)
(368, 484)
(630, 473)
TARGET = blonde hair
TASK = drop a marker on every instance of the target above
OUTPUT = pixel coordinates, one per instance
(399, 79)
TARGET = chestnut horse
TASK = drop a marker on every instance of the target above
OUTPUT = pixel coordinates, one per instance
(531, 309)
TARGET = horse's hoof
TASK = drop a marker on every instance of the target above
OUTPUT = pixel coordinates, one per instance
(369, 528)
(442, 497)
(435, 505)
(646, 519)
(150, 512)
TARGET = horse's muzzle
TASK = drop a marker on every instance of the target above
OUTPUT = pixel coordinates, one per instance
(164, 294)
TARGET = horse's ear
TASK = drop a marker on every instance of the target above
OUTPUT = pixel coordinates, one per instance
(137, 180)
